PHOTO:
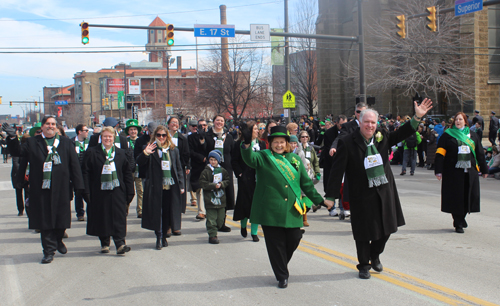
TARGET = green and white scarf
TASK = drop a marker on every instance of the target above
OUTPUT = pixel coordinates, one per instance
(374, 165)
(168, 180)
(52, 159)
(464, 141)
(109, 178)
(216, 193)
(175, 139)
(81, 147)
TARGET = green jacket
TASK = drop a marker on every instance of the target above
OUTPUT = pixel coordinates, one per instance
(313, 159)
(206, 183)
(273, 201)
(419, 140)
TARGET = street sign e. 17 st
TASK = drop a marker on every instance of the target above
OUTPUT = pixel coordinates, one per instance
(463, 7)
(61, 102)
(214, 30)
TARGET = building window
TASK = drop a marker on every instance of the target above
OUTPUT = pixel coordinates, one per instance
(494, 41)
(152, 31)
(159, 40)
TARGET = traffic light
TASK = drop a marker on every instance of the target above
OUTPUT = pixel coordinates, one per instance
(0, 99)
(107, 101)
(401, 26)
(36, 103)
(431, 18)
(10, 104)
(85, 32)
(170, 34)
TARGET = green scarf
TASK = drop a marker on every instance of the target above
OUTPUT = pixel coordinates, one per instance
(216, 193)
(109, 178)
(53, 158)
(463, 159)
(117, 141)
(374, 165)
(168, 180)
(82, 146)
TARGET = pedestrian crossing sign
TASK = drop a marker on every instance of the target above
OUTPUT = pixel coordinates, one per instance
(289, 100)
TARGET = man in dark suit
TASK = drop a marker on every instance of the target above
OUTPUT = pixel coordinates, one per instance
(198, 154)
(479, 119)
(494, 126)
(375, 208)
(330, 135)
(54, 165)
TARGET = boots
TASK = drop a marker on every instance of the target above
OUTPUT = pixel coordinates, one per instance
(306, 224)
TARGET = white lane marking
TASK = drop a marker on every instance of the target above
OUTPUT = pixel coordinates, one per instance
(6, 185)
(16, 297)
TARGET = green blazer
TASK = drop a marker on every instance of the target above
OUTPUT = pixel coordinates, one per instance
(273, 199)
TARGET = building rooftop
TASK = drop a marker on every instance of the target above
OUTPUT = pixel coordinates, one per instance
(157, 22)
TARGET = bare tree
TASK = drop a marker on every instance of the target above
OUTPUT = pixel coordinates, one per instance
(233, 90)
(431, 63)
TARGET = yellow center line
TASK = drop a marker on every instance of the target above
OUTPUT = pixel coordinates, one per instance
(417, 285)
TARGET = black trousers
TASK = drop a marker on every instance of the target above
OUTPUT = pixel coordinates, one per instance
(166, 213)
(50, 239)
(105, 241)
(20, 199)
(459, 218)
(369, 250)
(281, 243)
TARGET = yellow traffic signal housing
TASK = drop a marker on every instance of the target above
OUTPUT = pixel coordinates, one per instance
(102, 101)
(107, 101)
(10, 104)
(431, 18)
(401, 25)
(170, 35)
(85, 32)
(36, 103)
(0, 99)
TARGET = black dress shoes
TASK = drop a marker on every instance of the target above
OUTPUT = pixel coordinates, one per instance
(459, 229)
(47, 259)
(225, 229)
(364, 274)
(164, 242)
(61, 247)
(158, 243)
(283, 283)
(244, 232)
(255, 238)
(376, 265)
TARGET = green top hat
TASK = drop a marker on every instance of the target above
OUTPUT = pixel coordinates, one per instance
(133, 123)
(35, 128)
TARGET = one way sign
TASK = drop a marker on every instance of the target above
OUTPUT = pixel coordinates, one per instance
(289, 100)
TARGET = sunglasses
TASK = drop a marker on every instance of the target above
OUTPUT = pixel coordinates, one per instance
(262, 128)
(358, 111)
(161, 135)
(38, 132)
(304, 136)
(85, 130)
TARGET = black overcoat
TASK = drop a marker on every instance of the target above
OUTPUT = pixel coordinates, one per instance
(198, 153)
(430, 155)
(183, 147)
(246, 183)
(50, 208)
(153, 190)
(453, 180)
(226, 164)
(375, 212)
(107, 210)
(140, 145)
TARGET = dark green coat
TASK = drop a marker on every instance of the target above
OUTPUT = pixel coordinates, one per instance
(273, 199)
(206, 183)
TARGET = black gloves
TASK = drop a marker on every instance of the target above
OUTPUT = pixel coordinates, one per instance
(246, 133)
(11, 132)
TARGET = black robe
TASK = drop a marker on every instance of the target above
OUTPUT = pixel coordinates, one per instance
(153, 190)
(198, 153)
(49, 208)
(107, 210)
(183, 147)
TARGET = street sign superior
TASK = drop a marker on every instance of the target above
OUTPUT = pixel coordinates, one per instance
(463, 7)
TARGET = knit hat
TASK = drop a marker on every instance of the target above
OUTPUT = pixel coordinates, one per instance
(215, 154)
(293, 138)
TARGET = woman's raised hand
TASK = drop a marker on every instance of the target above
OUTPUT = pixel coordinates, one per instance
(150, 148)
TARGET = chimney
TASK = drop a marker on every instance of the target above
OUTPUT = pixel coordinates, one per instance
(179, 64)
(224, 41)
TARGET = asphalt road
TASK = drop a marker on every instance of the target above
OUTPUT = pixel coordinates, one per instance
(425, 262)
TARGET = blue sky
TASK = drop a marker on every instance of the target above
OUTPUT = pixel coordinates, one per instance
(55, 23)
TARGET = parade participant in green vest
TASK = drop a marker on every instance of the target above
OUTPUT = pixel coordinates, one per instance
(133, 129)
(277, 203)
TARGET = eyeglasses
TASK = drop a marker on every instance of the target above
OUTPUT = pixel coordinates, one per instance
(161, 135)
(38, 132)
(85, 130)
(304, 136)
(194, 126)
(358, 111)
(262, 128)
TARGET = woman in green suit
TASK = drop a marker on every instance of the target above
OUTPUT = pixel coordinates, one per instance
(277, 203)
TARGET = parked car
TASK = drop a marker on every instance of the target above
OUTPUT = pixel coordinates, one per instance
(71, 133)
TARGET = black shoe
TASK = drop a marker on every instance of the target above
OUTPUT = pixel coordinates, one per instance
(167, 235)
(176, 233)
(459, 229)
(403, 173)
(341, 215)
(464, 224)
(244, 232)
(164, 242)
(123, 249)
(61, 248)
(225, 229)
(411, 173)
(376, 265)
(213, 240)
(364, 274)
(255, 238)
(20, 213)
(139, 216)
(47, 259)
(158, 243)
(283, 283)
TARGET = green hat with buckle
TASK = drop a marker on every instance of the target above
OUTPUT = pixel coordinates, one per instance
(35, 128)
(133, 123)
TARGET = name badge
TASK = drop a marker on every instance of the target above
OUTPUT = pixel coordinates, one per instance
(165, 165)
(308, 154)
(217, 178)
(219, 143)
(463, 149)
(175, 141)
(47, 167)
(373, 161)
(77, 149)
(108, 169)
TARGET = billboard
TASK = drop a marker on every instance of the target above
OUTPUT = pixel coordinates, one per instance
(134, 86)
(113, 86)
